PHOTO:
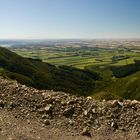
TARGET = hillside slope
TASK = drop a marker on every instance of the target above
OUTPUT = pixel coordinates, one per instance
(127, 87)
(46, 76)
(31, 114)
(91, 81)
(121, 88)
(119, 81)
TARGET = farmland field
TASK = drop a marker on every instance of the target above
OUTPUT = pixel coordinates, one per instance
(80, 57)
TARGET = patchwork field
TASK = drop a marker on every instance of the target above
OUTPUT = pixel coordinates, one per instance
(81, 57)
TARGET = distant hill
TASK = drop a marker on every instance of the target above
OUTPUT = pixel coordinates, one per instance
(42, 75)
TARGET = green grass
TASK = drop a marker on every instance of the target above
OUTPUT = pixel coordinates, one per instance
(97, 61)
(127, 87)
(43, 75)
(78, 57)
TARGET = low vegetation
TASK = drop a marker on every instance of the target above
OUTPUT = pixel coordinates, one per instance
(93, 72)
(46, 76)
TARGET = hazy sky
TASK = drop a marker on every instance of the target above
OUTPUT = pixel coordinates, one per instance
(34, 19)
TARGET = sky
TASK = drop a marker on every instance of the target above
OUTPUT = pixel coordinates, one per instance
(54, 19)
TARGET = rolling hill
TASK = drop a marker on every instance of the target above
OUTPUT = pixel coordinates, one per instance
(122, 83)
(34, 72)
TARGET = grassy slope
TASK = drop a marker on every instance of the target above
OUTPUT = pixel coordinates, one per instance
(46, 76)
(127, 87)
(121, 88)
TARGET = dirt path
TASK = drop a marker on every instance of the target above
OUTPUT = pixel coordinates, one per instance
(12, 128)
(30, 114)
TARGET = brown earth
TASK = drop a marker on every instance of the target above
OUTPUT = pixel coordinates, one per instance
(30, 114)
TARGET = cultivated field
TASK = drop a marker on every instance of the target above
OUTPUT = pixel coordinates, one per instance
(81, 57)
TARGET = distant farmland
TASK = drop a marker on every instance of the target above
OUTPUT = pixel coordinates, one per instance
(80, 57)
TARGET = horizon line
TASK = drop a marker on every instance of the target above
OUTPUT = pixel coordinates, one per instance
(98, 38)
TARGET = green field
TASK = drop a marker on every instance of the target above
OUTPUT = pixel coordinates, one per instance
(80, 57)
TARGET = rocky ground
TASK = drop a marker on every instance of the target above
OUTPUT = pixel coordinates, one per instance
(30, 114)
